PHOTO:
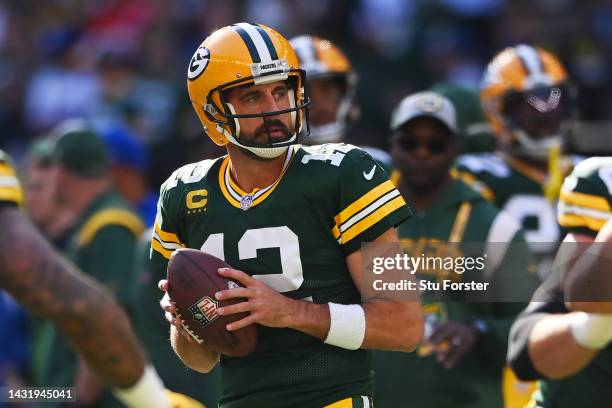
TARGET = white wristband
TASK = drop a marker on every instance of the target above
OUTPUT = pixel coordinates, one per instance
(148, 392)
(347, 326)
(591, 330)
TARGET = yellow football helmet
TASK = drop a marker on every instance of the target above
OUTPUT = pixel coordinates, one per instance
(321, 59)
(238, 55)
(527, 98)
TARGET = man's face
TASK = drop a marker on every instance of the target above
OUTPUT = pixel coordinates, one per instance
(424, 151)
(538, 113)
(325, 96)
(257, 99)
(40, 193)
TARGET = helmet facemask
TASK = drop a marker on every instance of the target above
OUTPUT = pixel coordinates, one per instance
(536, 119)
(220, 111)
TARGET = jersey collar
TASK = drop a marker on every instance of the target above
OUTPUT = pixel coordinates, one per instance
(240, 198)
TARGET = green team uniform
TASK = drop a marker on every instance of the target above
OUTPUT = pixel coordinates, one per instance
(586, 197)
(295, 236)
(102, 244)
(518, 190)
(458, 215)
(584, 206)
(152, 329)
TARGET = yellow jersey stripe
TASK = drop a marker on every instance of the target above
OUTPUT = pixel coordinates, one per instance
(372, 219)
(115, 216)
(157, 246)
(224, 189)
(585, 200)
(363, 202)
(572, 220)
(167, 236)
(461, 220)
(345, 403)
(6, 170)
(475, 184)
(12, 194)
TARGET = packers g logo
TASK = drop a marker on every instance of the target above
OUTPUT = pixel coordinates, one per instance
(198, 63)
(197, 199)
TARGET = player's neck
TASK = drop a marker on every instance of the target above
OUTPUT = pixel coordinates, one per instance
(250, 173)
(421, 198)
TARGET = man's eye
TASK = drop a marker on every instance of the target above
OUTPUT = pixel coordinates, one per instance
(280, 93)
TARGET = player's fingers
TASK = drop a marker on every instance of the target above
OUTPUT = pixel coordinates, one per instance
(241, 323)
(167, 305)
(163, 285)
(233, 293)
(237, 308)
(237, 275)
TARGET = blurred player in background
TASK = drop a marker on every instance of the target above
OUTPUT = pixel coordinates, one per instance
(41, 201)
(80, 309)
(294, 218)
(461, 360)
(561, 338)
(473, 129)
(332, 86)
(102, 243)
(527, 99)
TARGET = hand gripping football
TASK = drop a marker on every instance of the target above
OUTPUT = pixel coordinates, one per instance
(192, 283)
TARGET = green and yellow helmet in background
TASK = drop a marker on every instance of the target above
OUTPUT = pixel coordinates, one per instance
(474, 130)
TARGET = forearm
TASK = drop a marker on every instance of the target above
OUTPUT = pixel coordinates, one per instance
(389, 325)
(192, 354)
(49, 286)
(553, 349)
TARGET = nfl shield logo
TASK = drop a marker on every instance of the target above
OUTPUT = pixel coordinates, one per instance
(205, 311)
(246, 202)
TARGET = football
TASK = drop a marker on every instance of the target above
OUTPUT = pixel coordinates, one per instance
(192, 283)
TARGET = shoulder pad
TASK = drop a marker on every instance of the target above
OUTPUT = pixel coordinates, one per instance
(484, 163)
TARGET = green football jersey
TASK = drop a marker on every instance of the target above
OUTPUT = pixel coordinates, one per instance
(585, 203)
(518, 190)
(102, 244)
(10, 189)
(458, 215)
(295, 236)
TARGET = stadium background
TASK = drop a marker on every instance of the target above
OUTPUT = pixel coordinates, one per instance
(126, 60)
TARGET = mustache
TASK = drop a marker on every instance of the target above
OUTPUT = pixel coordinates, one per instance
(270, 125)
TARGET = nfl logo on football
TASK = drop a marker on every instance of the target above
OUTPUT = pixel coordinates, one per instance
(205, 311)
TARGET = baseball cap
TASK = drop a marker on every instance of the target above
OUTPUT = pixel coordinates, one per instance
(78, 149)
(474, 129)
(428, 104)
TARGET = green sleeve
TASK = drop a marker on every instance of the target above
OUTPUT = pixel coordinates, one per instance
(368, 203)
(109, 258)
(166, 237)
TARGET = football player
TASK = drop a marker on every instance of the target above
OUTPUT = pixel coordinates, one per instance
(567, 345)
(461, 359)
(50, 287)
(332, 85)
(291, 220)
(527, 99)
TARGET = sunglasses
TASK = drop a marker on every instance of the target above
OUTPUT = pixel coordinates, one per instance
(411, 144)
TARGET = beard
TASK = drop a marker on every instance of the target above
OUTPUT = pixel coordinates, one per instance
(263, 134)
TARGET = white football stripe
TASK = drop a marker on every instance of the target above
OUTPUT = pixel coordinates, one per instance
(369, 209)
(166, 245)
(8, 181)
(262, 49)
(529, 55)
(585, 211)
